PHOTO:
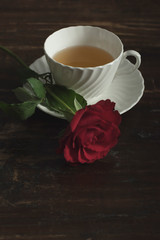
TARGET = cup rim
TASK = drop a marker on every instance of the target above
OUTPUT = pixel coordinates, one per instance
(82, 68)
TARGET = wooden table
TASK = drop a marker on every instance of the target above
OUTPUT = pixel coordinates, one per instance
(117, 197)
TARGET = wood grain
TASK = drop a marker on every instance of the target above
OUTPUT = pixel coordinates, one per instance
(115, 198)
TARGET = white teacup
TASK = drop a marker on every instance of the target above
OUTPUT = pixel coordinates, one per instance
(90, 82)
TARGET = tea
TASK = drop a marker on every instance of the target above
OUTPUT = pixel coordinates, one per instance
(83, 56)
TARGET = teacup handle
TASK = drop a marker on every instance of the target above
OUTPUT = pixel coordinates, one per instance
(134, 54)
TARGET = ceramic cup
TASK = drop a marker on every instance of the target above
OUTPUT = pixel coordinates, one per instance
(90, 82)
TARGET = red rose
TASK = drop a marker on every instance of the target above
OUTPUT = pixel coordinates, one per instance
(92, 132)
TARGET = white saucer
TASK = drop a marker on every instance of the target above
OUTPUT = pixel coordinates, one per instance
(125, 90)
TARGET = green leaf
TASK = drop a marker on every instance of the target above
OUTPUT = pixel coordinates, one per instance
(77, 105)
(23, 94)
(20, 110)
(64, 100)
(37, 87)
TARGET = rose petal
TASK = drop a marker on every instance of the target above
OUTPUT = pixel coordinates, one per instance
(93, 131)
(92, 156)
(105, 109)
(89, 119)
(70, 154)
(76, 119)
(81, 157)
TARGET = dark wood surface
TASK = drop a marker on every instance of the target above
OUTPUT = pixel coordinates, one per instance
(115, 198)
